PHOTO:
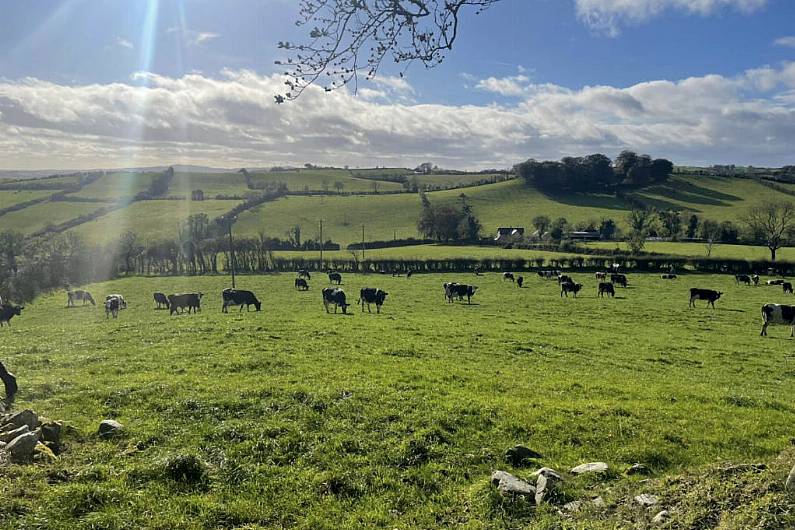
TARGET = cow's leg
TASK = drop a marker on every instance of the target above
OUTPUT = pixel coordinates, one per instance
(378, 309)
(764, 329)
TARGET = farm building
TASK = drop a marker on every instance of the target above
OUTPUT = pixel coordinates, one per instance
(509, 234)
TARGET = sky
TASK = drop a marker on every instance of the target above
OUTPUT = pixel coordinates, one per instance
(129, 83)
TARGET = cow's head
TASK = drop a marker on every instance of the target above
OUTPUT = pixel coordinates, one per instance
(719, 293)
(17, 310)
(200, 295)
(257, 304)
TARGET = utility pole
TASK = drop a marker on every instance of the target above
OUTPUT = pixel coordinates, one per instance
(362, 242)
(321, 244)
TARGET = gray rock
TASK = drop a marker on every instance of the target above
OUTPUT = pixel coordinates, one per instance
(573, 506)
(508, 484)
(2, 445)
(109, 428)
(661, 517)
(647, 500)
(598, 502)
(790, 484)
(21, 448)
(549, 473)
(592, 467)
(8, 435)
(638, 469)
(25, 417)
(543, 487)
(51, 432)
(519, 454)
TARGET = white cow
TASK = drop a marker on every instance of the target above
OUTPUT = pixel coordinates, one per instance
(778, 314)
(122, 303)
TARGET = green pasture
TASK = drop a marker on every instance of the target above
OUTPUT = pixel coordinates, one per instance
(38, 216)
(316, 179)
(211, 184)
(699, 250)
(117, 185)
(149, 219)
(292, 417)
(10, 198)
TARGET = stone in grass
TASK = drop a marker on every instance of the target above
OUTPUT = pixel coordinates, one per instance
(549, 473)
(591, 467)
(519, 454)
(508, 484)
(7, 436)
(575, 506)
(20, 450)
(51, 432)
(790, 484)
(43, 454)
(661, 517)
(638, 469)
(109, 428)
(647, 500)
(25, 417)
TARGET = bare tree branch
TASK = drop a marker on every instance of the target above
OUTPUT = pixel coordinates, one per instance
(352, 38)
(773, 223)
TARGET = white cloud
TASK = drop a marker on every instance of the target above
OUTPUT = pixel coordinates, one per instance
(124, 43)
(231, 120)
(505, 86)
(192, 37)
(396, 84)
(609, 15)
(788, 42)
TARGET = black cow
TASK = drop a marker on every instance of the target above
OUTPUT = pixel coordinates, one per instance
(335, 277)
(301, 284)
(369, 296)
(619, 279)
(408, 274)
(8, 311)
(186, 300)
(508, 276)
(668, 276)
(778, 314)
(161, 300)
(79, 296)
(239, 297)
(459, 290)
(112, 306)
(787, 287)
(520, 281)
(703, 294)
(742, 278)
(755, 279)
(606, 288)
(303, 273)
(564, 278)
(548, 275)
(336, 296)
(570, 287)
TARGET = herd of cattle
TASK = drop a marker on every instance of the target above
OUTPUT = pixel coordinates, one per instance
(335, 296)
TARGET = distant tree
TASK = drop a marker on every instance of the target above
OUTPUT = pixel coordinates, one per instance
(625, 161)
(541, 224)
(772, 224)
(374, 186)
(671, 222)
(729, 233)
(447, 223)
(710, 233)
(12, 246)
(294, 236)
(325, 184)
(197, 195)
(661, 169)
(558, 228)
(641, 222)
(692, 226)
(425, 168)
(639, 174)
(607, 228)
(339, 186)
(129, 248)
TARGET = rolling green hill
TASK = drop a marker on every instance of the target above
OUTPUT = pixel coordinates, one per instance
(10, 198)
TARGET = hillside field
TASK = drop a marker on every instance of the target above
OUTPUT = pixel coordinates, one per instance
(36, 217)
(10, 198)
(311, 420)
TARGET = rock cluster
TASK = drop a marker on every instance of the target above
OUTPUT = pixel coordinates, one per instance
(25, 438)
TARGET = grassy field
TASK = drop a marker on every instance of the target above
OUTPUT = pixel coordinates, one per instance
(149, 219)
(211, 184)
(431, 252)
(10, 198)
(315, 179)
(446, 181)
(118, 185)
(700, 250)
(36, 217)
(306, 420)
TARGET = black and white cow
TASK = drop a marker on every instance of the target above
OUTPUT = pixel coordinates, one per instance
(238, 297)
(742, 278)
(112, 306)
(778, 314)
(122, 303)
(368, 296)
(303, 273)
(775, 282)
(335, 277)
(191, 301)
(564, 278)
(755, 279)
(8, 311)
(703, 294)
(459, 290)
(619, 279)
(606, 288)
(161, 300)
(336, 296)
(668, 276)
(72, 297)
(570, 287)
(787, 286)
(301, 284)
(508, 276)
(600, 276)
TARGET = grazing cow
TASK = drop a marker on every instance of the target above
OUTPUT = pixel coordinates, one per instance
(369, 296)
(335, 277)
(787, 287)
(775, 282)
(742, 278)
(79, 296)
(303, 273)
(508, 276)
(336, 296)
(122, 303)
(563, 278)
(301, 284)
(755, 279)
(161, 300)
(668, 276)
(408, 274)
(548, 275)
(477, 270)
(619, 279)
(606, 288)
(459, 290)
(570, 287)
(8, 311)
(778, 314)
(239, 297)
(191, 301)
(112, 306)
(600, 276)
(704, 294)
(520, 281)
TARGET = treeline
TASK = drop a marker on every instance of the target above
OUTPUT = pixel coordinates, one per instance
(595, 172)
(446, 223)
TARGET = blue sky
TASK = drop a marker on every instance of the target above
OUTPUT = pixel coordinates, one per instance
(527, 78)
